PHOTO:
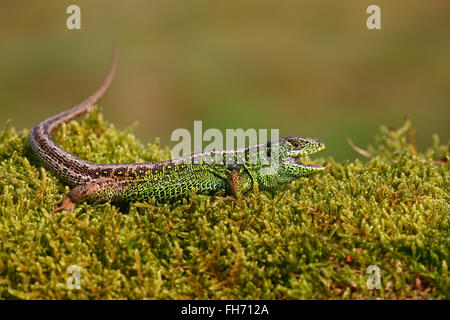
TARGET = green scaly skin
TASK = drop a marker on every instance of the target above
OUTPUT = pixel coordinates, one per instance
(269, 165)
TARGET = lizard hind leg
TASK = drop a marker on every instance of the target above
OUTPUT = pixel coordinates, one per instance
(65, 204)
(78, 194)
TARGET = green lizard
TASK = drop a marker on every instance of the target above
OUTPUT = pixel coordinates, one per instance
(269, 165)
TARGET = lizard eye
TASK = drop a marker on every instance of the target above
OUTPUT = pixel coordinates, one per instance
(295, 144)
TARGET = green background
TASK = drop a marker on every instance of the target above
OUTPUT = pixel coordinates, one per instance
(305, 67)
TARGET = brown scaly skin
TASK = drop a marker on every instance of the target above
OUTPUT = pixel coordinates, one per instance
(166, 180)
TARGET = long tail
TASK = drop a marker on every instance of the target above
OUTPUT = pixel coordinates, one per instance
(51, 154)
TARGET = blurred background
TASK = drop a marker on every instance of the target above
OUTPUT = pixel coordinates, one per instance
(305, 67)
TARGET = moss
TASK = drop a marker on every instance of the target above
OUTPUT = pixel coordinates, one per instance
(313, 239)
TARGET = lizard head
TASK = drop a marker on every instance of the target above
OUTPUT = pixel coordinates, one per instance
(292, 148)
(289, 167)
(299, 146)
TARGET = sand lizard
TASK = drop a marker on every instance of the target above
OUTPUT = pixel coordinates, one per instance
(172, 179)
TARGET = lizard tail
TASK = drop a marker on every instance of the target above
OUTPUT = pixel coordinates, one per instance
(53, 123)
(52, 155)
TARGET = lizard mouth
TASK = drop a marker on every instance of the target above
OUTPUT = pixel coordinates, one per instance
(297, 161)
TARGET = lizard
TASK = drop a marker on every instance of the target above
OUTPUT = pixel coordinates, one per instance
(269, 165)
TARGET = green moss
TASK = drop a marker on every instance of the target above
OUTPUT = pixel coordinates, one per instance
(313, 239)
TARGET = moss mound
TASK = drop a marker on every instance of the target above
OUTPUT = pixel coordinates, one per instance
(314, 239)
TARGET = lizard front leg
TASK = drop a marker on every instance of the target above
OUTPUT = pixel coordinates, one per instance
(234, 182)
(239, 181)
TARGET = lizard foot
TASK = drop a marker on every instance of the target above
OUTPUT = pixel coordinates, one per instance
(65, 204)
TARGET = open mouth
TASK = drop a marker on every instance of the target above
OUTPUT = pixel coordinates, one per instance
(297, 161)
